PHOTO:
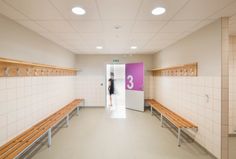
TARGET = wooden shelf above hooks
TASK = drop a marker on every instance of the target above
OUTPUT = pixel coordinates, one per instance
(183, 70)
(14, 68)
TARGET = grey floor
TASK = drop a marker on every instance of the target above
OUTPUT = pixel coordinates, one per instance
(94, 134)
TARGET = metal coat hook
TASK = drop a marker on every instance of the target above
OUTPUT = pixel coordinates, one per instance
(6, 71)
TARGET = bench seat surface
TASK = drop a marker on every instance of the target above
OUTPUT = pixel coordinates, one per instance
(18, 144)
(174, 118)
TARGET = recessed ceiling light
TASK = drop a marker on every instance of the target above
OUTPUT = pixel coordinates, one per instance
(78, 11)
(158, 11)
(99, 47)
(133, 47)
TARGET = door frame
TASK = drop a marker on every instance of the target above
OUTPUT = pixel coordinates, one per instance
(107, 79)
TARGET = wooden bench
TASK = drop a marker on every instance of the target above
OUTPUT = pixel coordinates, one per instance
(172, 117)
(18, 145)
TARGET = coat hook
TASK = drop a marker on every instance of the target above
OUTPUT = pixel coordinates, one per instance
(18, 71)
(7, 71)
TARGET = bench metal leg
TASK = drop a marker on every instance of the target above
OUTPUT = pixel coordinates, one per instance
(161, 120)
(49, 137)
(151, 110)
(77, 110)
(67, 120)
(179, 135)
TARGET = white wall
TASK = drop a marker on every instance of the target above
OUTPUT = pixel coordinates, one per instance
(17, 42)
(26, 100)
(232, 86)
(188, 96)
(93, 72)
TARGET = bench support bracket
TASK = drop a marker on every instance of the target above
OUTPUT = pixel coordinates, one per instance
(67, 120)
(77, 110)
(161, 120)
(179, 135)
(49, 137)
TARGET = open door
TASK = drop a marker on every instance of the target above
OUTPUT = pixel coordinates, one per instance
(134, 75)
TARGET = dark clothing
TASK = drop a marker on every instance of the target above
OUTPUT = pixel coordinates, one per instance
(111, 86)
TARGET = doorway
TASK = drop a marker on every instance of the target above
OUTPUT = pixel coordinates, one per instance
(117, 105)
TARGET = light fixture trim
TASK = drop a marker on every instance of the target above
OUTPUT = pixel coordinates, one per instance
(99, 47)
(133, 47)
(78, 10)
(158, 11)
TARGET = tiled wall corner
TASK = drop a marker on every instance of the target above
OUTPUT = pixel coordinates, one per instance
(232, 86)
(225, 52)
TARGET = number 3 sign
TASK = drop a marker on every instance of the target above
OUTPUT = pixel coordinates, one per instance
(134, 74)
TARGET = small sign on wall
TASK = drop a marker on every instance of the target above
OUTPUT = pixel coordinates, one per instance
(115, 61)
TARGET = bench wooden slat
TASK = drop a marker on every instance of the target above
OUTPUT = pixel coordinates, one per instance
(37, 130)
(18, 144)
(176, 119)
(31, 131)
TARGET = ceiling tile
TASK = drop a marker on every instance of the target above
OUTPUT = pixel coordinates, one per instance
(117, 26)
(36, 9)
(92, 35)
(166, 36)
(148, 26)
(32, 26)
(87, 26)
(137, 42)
(143, 51)
(69, 36)
(116, 35)
(171, 6)
(54, 20)
(57, 26)
(118, 9)
(76, 44)
(201, 24)
(158, 44)
(179, 26)
(141, 35)
(50, 36)
(116, 44)
(200, 9)
(10, 12)
(92, 43)
(65, 7)
(229, 10)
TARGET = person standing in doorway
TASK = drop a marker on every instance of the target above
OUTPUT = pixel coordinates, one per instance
(111, 87)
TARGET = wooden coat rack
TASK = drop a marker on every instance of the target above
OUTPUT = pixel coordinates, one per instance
(14, 68)
(183, 70)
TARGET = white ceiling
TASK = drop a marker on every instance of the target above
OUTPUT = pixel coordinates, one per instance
(54, 20)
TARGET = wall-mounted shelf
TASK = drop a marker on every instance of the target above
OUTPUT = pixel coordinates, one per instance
(14, 68)
(183, 70)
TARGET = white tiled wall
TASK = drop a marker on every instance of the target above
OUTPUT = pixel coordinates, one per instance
(89, 87)
(198, 99)
(27, 100)
(232, 86)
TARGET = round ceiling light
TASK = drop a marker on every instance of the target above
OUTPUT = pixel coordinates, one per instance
(158, 11)
(99, 47)
(78, 11)
(133, 47)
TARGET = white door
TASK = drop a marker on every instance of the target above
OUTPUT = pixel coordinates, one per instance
(134, 75)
